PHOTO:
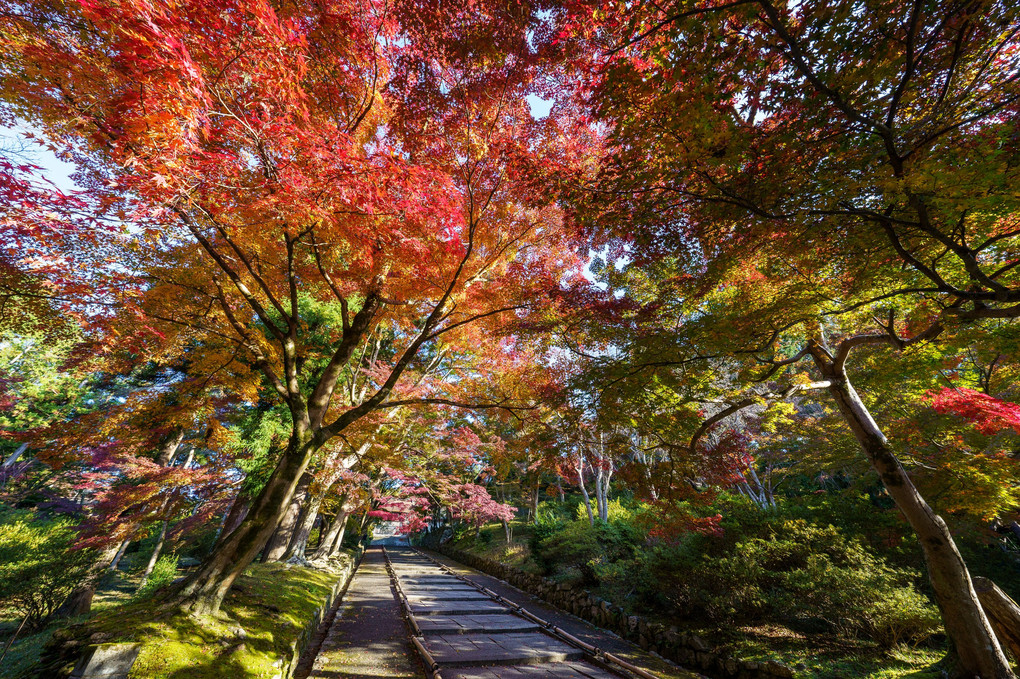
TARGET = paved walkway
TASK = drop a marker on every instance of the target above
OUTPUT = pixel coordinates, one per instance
(581, 629)
(469, 636)
(368, 638)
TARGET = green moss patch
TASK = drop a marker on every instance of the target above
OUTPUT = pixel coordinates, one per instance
(254, 635)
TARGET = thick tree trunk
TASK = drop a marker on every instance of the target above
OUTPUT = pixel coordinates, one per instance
(276, 548)
(79, 601)
(203, 592)
(238, 510)
(977, 649)
(324, 527)
(534, 500)
(156, 551)
(1002, 612)
(168, 448)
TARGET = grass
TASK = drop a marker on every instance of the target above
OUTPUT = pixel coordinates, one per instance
(262, 617)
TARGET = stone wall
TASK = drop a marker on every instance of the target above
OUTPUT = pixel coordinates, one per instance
(683, 648)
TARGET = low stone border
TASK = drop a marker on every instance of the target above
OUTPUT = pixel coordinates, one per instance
(289, 663)
(683, 648)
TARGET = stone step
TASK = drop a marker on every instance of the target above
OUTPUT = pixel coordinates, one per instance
(494, 623)
(553, 670)
(420, 608)
(526, 648)
(439, 585)
(445, 595)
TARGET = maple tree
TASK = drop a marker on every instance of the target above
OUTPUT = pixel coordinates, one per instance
(272, 159)
(808, 203)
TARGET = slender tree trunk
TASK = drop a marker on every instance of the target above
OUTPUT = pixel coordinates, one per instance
(326, 546)
(203, 592)
(977, 650)
(338, 539)
(324, 526)
(120, 554)
(534, 500)
(276, 548)
(559, 487)
(299, 542)
(584, 491)
(156, 551)
(13, 457)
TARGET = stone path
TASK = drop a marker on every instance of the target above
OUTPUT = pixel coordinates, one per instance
(471, 636)
(579, 628)
(368, 638)
(468, 634)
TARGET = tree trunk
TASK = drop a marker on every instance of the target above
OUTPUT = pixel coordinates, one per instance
(156, 551)
(299, 542)
(120, 554)
(13, 457)
(203, 592)
(79, 601)
(326, 546)
(276, 548)
(584, 491)
(338, 538)
(1002, 612)
(324, 527)
(233, 518)
(534, 500)
(976, 647)
(168, 448)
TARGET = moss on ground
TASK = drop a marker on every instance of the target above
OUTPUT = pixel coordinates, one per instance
(264, 614)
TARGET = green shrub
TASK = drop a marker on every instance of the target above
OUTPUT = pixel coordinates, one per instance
(615, 511)
(582, 549)
(38, 567)
(902, 615)
(803, 574)
(163, 573)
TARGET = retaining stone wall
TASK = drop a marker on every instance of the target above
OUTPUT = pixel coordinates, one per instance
(683, 648)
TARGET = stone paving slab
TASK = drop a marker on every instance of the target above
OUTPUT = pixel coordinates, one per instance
(528, 648)
(445, 595)
(454, 607)
(557, 670)
(437, 586)
(430, 580)
(468, 624)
